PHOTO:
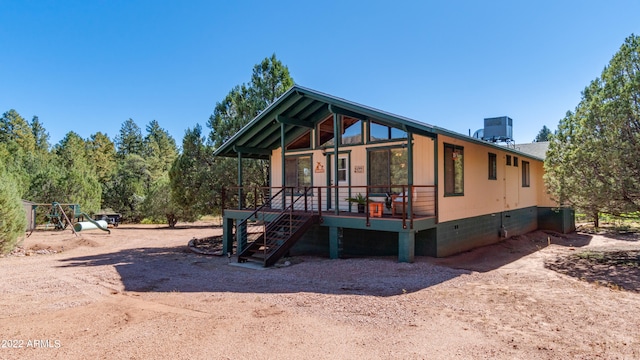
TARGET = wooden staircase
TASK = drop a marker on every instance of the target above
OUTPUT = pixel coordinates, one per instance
(280, 229)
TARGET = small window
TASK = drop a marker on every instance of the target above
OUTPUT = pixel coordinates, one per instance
(342, 169)
(515, 161)
(508, 160)
(453, 170)
(493, 167)
(526, 173)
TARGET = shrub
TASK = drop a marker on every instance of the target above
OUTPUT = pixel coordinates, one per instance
(13, 220)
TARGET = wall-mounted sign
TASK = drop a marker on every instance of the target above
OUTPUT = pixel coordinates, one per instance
(319, 167)
(358, 169)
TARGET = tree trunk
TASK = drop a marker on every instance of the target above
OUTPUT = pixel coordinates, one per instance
(172, 220)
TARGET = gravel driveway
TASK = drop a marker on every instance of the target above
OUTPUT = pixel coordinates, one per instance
(139, 293)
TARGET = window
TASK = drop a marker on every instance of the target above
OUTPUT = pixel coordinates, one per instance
(351, 131)
(342, 169)
(515, 161)
(493, 167)
(387, 167)
(508, 160)
(379, 132)
(453, 170)
(298, 172)
(325, 132)
(526, 181)
(303, 142)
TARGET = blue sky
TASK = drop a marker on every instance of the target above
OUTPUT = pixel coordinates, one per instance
(87, 66)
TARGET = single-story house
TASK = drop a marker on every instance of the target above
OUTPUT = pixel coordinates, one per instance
(349, 180)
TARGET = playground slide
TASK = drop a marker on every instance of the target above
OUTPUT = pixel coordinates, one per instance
(102, 225)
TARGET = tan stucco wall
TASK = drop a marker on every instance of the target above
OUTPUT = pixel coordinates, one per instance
(422, 159)
(276, 167)
(544, 198)
(484, 196)
(423, 163)
(481, 195)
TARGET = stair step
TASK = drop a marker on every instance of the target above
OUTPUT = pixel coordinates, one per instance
(257, 255)
(279, 234)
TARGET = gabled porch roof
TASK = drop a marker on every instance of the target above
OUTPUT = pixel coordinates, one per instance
(300, 109)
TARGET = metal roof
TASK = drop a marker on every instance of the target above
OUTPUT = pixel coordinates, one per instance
(301, 109)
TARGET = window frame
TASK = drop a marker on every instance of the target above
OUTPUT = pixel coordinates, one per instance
(390, 130)
(446, 164)
(297, 187)
(384, 190)
(508, 160)
(308, 133)
(319, 133)
(526, 174)
(360, 127)
(493, 166)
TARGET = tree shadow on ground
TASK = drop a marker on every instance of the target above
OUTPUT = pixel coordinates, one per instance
(178, 269)
(493, 256)
(613, 232)
(615, 268)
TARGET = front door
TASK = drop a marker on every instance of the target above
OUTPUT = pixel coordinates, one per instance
(342, 186)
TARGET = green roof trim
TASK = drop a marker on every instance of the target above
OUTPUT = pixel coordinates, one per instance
(300, 109)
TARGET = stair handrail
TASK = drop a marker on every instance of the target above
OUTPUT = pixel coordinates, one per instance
(259, 208)
(286, 209)
(289, 209)
(254, 214)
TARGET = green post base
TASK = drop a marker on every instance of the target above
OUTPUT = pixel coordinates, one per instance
(406, 246)
(227, 236)
(334, 252)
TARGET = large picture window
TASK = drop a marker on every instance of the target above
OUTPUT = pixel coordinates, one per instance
(298, 172)
(453, 170)
(387, 167)
(526, 174)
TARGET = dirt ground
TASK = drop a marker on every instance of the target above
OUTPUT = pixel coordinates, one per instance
(139, 293)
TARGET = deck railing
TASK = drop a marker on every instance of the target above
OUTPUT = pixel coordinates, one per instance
(406, 202)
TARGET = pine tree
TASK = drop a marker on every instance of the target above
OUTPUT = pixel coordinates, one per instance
(13, 220)
(129, 140)
(591, 163)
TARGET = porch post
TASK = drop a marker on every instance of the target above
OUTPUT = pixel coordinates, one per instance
(410, 175)
(436, 190)
(406, 246)
(282, 144)
(241, 236)
(227, 235)
(334, 240)
(239, 180)
(336, 132)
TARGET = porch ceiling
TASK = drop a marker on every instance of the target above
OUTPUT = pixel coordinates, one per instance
(300, 109)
